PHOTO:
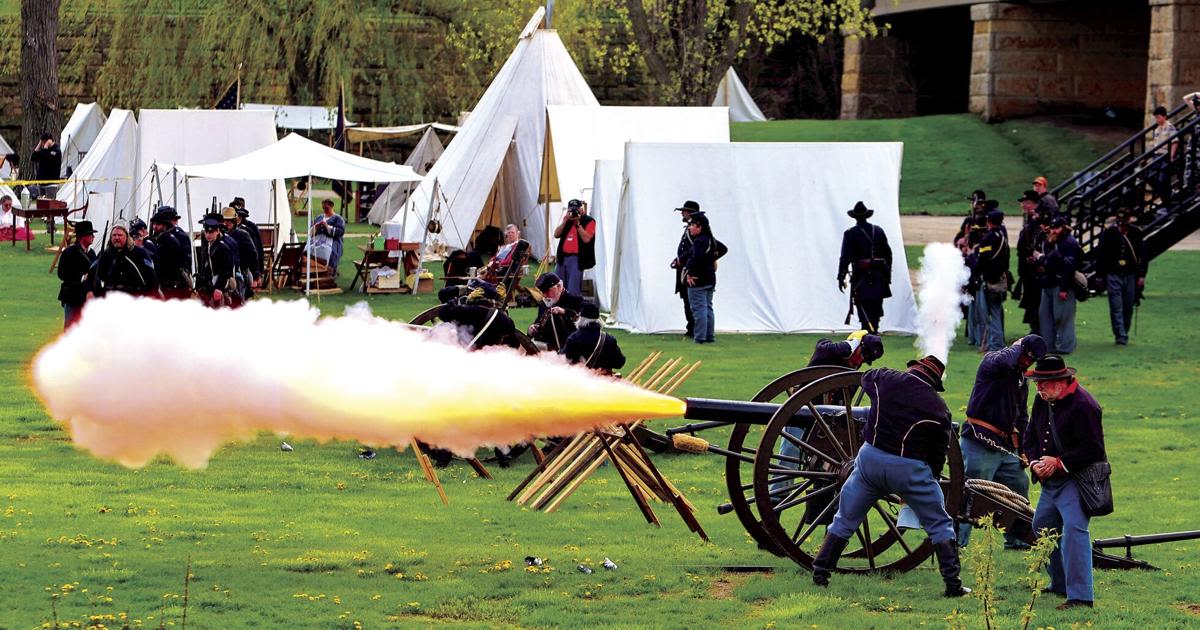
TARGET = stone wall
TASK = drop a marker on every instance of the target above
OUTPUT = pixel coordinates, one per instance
(1174, 60)
(1063, 57)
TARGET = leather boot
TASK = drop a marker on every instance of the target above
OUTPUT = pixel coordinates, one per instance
(947, 557)
(827, 558)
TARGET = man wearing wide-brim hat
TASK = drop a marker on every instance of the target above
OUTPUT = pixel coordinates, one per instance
(682, 253)
(1065, 436)
(73, 268)
(867, 258)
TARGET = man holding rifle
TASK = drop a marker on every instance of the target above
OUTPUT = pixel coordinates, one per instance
(867, 258)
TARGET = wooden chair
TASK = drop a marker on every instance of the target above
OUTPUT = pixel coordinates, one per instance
(268, 233)
(286, 268)
(375, 259)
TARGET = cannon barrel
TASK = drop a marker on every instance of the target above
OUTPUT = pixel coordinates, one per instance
(715, 412)
(1146, 539)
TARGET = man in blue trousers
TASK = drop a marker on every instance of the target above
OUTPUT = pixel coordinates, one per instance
(904, 449)
(1065, 435)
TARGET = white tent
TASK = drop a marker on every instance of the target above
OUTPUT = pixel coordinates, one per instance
(202, 136)
(5, 151)
(301, 117)
(732, 94)
(374, 134)
(427, 152)
(781, 210)
(606, 200)
(80, 134)
(104, 179)
(494, 166)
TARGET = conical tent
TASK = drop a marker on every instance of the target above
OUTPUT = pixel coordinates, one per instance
(5, 167)
(732, 94)
(104, 179)
(79, 134)
(394, 196)
(496, 162)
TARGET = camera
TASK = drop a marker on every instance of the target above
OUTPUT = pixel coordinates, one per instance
(573, 213)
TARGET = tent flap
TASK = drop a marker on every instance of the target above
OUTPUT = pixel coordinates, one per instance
(732, 94)
(297, 156)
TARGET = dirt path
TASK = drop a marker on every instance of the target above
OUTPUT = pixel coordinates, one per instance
(920, 230)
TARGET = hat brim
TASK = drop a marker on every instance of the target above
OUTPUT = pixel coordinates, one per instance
(1057, 375)
(861, 215)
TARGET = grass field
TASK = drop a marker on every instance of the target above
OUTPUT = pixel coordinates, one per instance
(318, 538)
(947, 157)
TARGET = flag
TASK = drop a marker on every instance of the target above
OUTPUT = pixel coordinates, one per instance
(339, 133)
(232, 98)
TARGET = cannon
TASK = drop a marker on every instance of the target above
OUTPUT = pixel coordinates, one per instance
(791, 449)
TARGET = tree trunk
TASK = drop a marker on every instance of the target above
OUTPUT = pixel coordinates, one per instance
(39, 76)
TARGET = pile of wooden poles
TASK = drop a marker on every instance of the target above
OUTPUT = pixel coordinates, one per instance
(576, 458)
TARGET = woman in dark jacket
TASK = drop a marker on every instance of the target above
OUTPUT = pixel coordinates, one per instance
(701, 276)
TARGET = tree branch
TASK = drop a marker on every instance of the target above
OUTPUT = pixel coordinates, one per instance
(640, 25)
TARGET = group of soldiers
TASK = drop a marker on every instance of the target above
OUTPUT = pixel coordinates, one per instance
(907, 435)
(157, 260)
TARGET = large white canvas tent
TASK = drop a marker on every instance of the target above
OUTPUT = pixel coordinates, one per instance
(781, 210)
(204, 136)
(494, 166)
(104, 180)
(79, 134)
(732, 94)
(608, 176)
(5, 151)
(427, 152)
(300, 117)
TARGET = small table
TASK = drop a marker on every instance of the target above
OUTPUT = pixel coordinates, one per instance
(46, 209)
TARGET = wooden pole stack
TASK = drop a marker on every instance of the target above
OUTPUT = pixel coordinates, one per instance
(575, 459)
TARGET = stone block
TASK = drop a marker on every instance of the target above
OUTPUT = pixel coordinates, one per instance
(850, 63)
(1114, 42)
(1102, 64)
(1016, 85)
(1056, 87)
(1030, 28)
(1024, 62)
(983, 28)
(1188, 19)
(1160, 72)
(1009, 107)
(1002, 10)
(1189, 72)
(980, 61)
(977, 104)
(1006, 41)
(982, 43)
(1120, 92)
(1160, 45)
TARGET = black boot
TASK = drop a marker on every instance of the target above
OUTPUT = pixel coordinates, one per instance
(827, 558)
(947, 556)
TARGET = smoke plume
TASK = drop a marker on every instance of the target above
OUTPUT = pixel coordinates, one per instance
(939, 298)
(138, 377)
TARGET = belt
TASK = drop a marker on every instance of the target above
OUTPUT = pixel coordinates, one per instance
(1012, 435)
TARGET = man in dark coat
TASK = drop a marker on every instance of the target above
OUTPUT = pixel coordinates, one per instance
(700, 276)
(251, 228)
(591, 346)
(123, 267)
(1047, 204)
(73, 267)
(248, 253)
(682, 252)
(867, 258)
(215, 265)
(1060, 260)
(989, 265)
(480, 314)
(905, 441)
(1065, 436)
(997, 413)
(1122, 262)
(1029, 281)
(858, 348)
(557, 312)
(174, 260)
(47, 165)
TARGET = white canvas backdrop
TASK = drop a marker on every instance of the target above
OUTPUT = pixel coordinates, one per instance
(781, 210)
(80, 132)
(732, 94)
(108, 168)
(606, 201)
(205, 136)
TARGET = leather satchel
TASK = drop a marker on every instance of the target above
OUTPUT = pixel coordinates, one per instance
(1094, 482)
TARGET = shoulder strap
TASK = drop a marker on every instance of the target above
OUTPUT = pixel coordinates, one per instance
(1132, 251)
(596, 351)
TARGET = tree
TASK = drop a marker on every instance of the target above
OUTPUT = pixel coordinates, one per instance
(39, 74)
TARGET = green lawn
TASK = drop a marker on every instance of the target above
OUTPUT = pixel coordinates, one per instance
(947, 157)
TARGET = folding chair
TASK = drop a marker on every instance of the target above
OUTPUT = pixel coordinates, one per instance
(372, 259)
(286, 269)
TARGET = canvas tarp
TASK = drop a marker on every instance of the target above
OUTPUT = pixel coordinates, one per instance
(607, 179)
(373, 134)
(108, 169)
(781, 210)
(79, 134)
(297, 156)
(300, 117)
(501, 147)
(203, 136)
(429, 148)
(732, 94)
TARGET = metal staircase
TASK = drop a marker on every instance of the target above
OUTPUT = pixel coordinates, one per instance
(1162, 190)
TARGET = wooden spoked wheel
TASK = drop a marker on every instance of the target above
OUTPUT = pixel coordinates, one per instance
(739, 471)
(797, 494)
(429, 317)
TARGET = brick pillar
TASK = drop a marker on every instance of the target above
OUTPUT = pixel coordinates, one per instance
(875, 79)
(1173, 68)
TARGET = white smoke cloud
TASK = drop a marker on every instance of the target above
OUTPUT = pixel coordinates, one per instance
(939, 298)
(138, 377)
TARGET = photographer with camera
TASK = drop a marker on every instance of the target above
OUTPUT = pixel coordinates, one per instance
(576, 234)
(47, 162)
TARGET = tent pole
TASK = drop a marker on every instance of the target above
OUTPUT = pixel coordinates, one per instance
(308, 240)
(424, 240)
(174, 186)
(546, 184)
(187, 194)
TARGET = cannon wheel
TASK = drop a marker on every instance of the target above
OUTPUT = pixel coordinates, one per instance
(739, 471)
(429, 317)
(827, 455)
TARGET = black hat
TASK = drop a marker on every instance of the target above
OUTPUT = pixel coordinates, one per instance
(1060, 220)
(574, 203)
(165, 214)
(546, 281)
(589, 310)
(1050, 368)
(977, 196)
(483, 292)
(991, 204)
(445, 294)
(238, 202)
(995, 216)
(137, 225)
(1033, 346)
(929, 369)
(700, 219)
(242, 212)
(84, 228)
(861, 211)
(872, 348)
(1030, 195)
(211, 219)
(689, 206)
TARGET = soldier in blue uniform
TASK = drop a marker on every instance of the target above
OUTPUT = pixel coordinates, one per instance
(1029, 283)
(73, 267)
(174, 259)
(1060, 260)
(557, 312)
(858, 348)
(997, 414)
(904, 449)
(123, 267)
(248, 253)
(251, 228)
(682, 253)
(591, 346)
(479, 312)
(1065, 435)
(215, 265)
(867, 258)
(989, 266)
(1122, 263)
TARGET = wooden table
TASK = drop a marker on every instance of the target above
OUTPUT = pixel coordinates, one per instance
(46, 209)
